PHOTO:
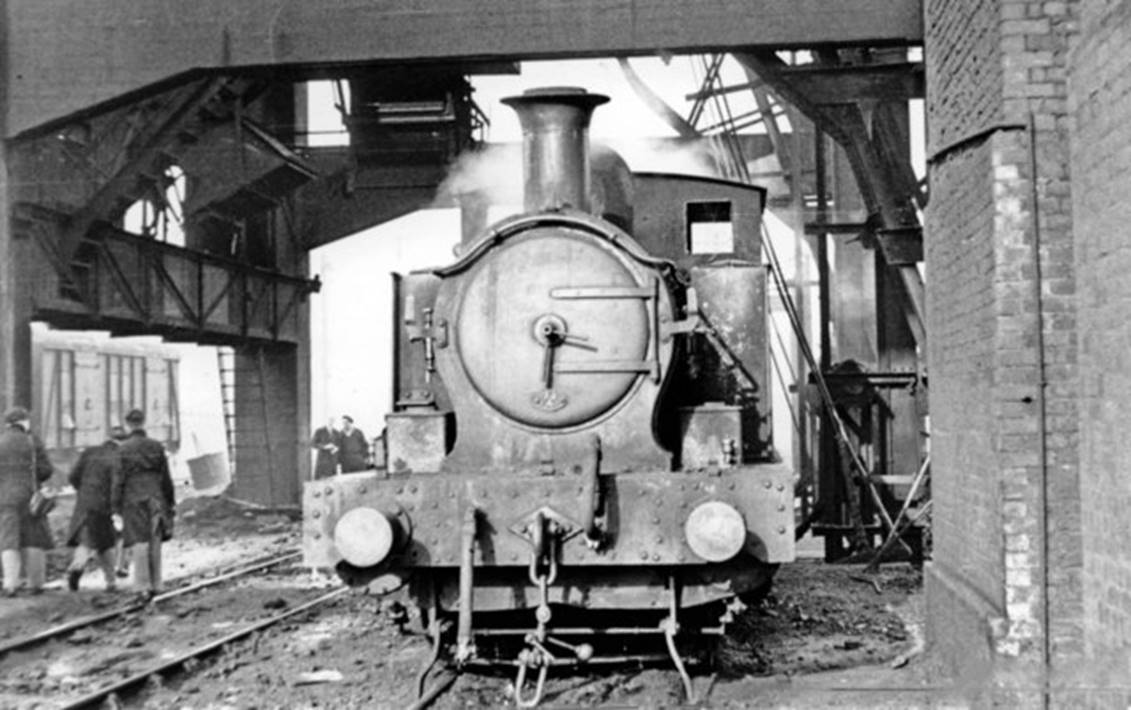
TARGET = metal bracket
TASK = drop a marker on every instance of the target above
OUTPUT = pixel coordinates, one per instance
(434, 334)
(525, 527)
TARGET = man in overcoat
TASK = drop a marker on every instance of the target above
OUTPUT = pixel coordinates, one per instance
(353, 451)
(142, 502)
(325, 442)
(24, 538)
(92, 530)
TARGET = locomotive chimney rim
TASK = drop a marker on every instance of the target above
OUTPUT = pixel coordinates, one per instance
(555, 145)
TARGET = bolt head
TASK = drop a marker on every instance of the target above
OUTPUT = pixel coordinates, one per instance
(584, 652)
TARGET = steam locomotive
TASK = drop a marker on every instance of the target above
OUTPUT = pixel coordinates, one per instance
(579, 458)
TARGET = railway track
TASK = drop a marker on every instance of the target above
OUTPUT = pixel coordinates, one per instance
(69, 627)
(134, 647)
(138, 679)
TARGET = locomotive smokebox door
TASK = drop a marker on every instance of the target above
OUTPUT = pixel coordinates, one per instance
(554, 329)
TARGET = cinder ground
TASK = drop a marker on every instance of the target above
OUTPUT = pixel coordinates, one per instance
(824, 637)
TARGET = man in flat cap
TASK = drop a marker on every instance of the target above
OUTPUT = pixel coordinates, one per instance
(92, 530)
(24, 538)
(142, 502)
(353, 453)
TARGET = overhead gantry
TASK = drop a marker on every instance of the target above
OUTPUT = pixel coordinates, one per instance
(106, 102)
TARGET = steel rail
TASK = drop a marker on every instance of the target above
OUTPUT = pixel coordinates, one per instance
(103, 693)
(56, 631)
(597, 631)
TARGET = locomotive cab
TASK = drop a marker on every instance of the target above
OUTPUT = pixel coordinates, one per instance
(581, 421)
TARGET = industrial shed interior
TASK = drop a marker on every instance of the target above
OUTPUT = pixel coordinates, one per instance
(201, 205)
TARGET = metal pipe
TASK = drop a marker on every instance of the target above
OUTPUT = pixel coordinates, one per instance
(1042, 409)
(426, 699)
(465, 647)
(592, 494)
(822, 239)
(567, 662)
(555, 146)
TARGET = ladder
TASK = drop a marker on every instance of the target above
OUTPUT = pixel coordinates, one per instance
(241, 436)
(226, 361)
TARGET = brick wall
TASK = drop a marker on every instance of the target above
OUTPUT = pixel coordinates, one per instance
(1000, 68)
(960, 254)
(1100, 98)
(965, 580)
(964, 68)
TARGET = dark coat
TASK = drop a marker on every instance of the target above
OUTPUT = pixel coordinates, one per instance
(353, 452)
(326, 462)
(18, 449)
(92, 478)
(143, 490)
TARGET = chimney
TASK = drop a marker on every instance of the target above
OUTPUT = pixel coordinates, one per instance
(555, 145)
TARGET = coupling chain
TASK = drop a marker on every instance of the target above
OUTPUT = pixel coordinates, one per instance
(536, 655)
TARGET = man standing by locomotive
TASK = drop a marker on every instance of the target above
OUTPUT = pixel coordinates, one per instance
(353, 453)
(92, 530)
(325, 443)
(24, 537)
(142, 502)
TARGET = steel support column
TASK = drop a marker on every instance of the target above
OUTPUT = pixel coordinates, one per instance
(15, 304)
(15, 307)
(884, 179)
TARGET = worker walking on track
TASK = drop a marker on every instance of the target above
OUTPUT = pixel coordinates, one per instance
(92, 530)
(24, 537)
(142, 502)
